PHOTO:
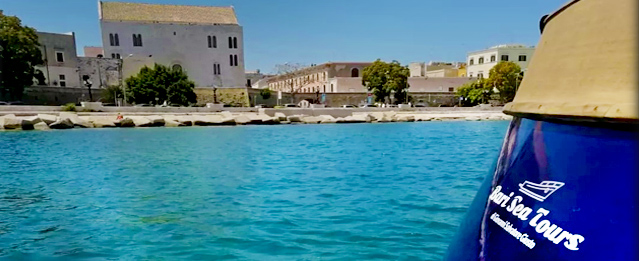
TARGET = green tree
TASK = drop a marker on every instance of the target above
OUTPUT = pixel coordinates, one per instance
(385, 78)
(111, 93)
(505, 76)
(158, 84)
(265, 93)
(475, 92)
(19, 53)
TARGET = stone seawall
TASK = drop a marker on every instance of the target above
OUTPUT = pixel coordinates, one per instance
(69, 120)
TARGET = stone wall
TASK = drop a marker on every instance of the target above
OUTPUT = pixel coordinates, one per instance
(46, 95)
(236, 97)
(108, 69)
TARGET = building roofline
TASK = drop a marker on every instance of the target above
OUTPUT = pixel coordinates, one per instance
(498, 47)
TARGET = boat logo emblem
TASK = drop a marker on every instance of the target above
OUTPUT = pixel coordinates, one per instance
(539, 191)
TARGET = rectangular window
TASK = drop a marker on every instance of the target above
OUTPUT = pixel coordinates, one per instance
(235, 42)
(522, 58)
(492, 58)
(235, 59)
(230, 43)
(451, 89)
(63, 82)
(137, 40)
(111, 40)
(214, 42)
(210, 41)
(504, 57)
(231, 59)
(216, 69)
(59, 57)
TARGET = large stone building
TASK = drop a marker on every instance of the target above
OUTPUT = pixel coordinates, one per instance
(480, 62)
(204, 41)
(60, 57)
(345, 77)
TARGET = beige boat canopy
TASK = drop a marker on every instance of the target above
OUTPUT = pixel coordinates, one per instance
(585, 65)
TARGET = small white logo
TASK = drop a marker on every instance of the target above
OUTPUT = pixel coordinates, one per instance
(539, 191)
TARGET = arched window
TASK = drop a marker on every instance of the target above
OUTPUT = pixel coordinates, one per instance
(231, 58)
(235, 59)
(235, 42)
(214, 42)
(117, 40)
(210, 40)
(230, 42)
(481, 60)
(177, 67)
(355, 72)
(137, 40)
(111, 40)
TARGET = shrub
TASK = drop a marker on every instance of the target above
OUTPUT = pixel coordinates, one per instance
(68, 107)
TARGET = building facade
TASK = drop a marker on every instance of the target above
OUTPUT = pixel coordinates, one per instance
(60, 57)
(205, 42)
(345, 77)
(329, 77)
(480, 62)
(435, 69)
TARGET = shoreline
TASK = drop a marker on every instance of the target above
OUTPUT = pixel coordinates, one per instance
(36, 120)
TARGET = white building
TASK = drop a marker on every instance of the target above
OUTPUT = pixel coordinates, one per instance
(480, 62)
(60, 57)
(204, 41)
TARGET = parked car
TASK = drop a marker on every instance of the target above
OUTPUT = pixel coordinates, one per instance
(349, 106)
(391, 106)
(290, 105)
(259, 106)
(3, 103)
(368, 106)
(420, 105)
(143, 105)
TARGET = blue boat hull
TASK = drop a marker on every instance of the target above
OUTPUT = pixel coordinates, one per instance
(557, 192)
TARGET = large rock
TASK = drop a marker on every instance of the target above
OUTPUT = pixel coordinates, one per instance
(184, 120)
(280, 116)
(62, 124)
(358, 118)
(312, 120)
(141, 121)
(327, 119)
(75, 119)
(376, 116)
(227, 114)
(495, 118)
(242, 119)
(222, 120)
(125, 123)
(171, 123)
(47, 118)
(10, 122)
(41, 126)
(102, 121)
(404, 118)
(423, 117)
(472, 118)
(294, 118)
(265, 119)
(28, 122)
(156, 121)
(201, 120)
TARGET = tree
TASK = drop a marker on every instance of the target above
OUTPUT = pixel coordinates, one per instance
(159, 84)
(505, 76)
(385, 78)
(19, 53)
(475, 92)
(112, 93)
(265, 93)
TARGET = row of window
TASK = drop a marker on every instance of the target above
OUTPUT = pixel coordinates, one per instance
(216, 69)
(114, 40)
(522, 58)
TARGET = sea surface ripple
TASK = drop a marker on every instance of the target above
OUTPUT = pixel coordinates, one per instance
(394, 191)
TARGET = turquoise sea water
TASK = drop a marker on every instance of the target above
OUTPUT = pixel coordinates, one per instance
(394, 191)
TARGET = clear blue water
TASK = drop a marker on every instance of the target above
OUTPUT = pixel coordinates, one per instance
(393, 191)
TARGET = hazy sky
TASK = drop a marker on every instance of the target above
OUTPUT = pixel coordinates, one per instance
(308, 31)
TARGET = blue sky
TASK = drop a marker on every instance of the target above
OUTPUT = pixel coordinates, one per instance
(311, 31)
